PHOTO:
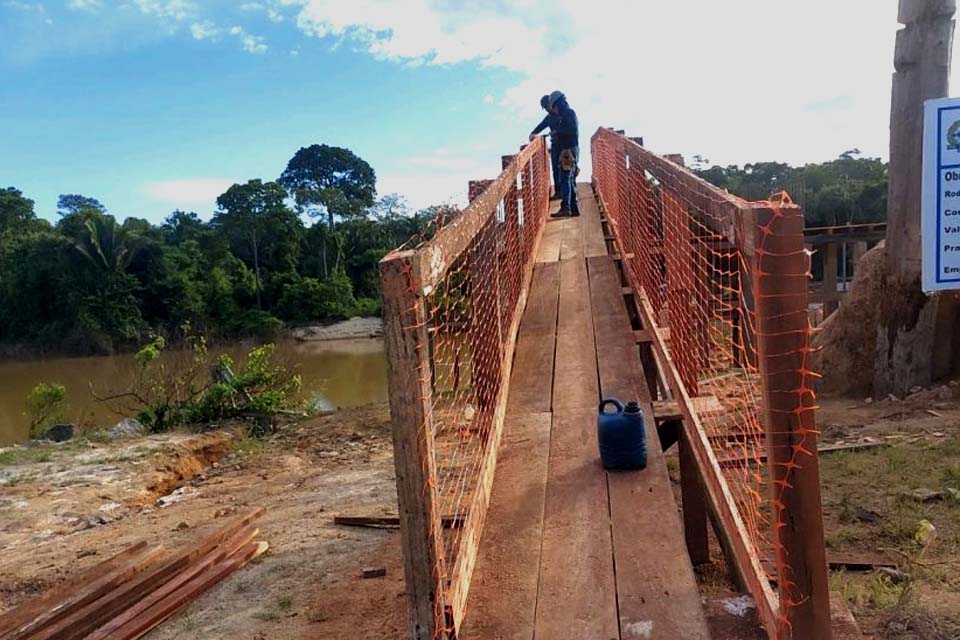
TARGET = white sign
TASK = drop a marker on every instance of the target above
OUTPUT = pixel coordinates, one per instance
(940, 225)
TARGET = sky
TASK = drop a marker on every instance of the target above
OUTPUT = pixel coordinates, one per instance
(156, 105)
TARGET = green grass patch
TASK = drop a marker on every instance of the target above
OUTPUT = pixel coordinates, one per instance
(25, 455)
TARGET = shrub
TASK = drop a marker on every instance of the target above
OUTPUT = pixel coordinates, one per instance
(170, 391)
(44, 406)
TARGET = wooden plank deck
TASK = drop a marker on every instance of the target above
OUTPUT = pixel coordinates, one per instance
(570, 551)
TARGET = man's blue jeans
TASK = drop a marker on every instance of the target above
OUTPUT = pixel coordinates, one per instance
(567, 186)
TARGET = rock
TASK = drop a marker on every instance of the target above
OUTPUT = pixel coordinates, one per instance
(914, 390)
(896, 576)
(868, 401)
(181, 526)
(893, 398)
(945, 393)
(867, 516)
(739, 606)
(60, 433)
(955, 383)
(223, 512)
(925, 533)
(126, 428)
(925, 495)
(374, 572)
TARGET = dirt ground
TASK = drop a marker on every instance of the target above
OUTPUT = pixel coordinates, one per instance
(874, 501)
(879, 501)
(172, 489)
(68, 506)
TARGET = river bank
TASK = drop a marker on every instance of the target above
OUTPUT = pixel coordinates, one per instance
(66, 507)
(345, 372)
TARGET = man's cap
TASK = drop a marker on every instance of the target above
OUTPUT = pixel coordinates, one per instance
(545, 102)
(554, 97)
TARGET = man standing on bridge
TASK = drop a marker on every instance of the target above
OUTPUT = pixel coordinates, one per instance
(568, 142)
(550, 121)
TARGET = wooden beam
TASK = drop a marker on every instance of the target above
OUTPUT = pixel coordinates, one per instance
(408, 378)
(694, 508)
(87, 594)
(54, 597)
(788, 416)
(152, 617)
(830, 279)
(705, 406)
(391, 522)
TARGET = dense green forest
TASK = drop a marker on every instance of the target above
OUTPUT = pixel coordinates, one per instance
(91, 284)
(849, 189)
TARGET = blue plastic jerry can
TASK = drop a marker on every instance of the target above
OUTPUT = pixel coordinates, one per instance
(622, 436)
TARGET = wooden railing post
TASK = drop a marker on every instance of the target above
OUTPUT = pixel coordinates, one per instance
(408, 377)
(780, 278)
(694, 505)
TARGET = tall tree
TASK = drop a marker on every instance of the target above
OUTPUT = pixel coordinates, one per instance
(181, 226)
(254, 215)
(70, 203)
(334, 180)
(15, 209)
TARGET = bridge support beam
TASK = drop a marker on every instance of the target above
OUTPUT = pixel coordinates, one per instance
(780, 287)
(408, 368)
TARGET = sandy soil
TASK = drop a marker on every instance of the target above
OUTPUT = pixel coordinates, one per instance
(67, 507)
(352, 328)
(175, 488)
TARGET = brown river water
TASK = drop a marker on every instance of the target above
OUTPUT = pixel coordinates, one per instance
(341, 373)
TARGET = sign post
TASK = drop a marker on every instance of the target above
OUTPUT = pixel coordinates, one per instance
(940, 227)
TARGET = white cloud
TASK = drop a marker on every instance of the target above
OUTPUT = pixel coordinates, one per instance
(84, 5)
(417, 31)
(272, 8)
(250, 43)
(174, 9)
(427, 188)
(194, 191)
(488, 99)
(204, 30)
(735, 81)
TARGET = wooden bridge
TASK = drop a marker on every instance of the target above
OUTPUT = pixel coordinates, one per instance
(505, 328)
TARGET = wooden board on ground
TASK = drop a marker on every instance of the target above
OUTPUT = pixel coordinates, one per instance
(531, 384)
(594, 243)
(504, 591)
(577, 595)
(550, 244)
(575, 371)
(657, 591)
(37, 606)
(571, 240)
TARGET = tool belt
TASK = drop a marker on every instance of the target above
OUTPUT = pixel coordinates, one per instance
(567, 161)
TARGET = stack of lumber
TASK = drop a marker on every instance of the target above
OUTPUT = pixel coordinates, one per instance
(131, 593)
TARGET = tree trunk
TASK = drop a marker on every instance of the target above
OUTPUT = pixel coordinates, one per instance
(913, 325)
(256, 267)
(323, 257)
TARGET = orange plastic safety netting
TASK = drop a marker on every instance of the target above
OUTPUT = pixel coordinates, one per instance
(724, 283)
(465, 289)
